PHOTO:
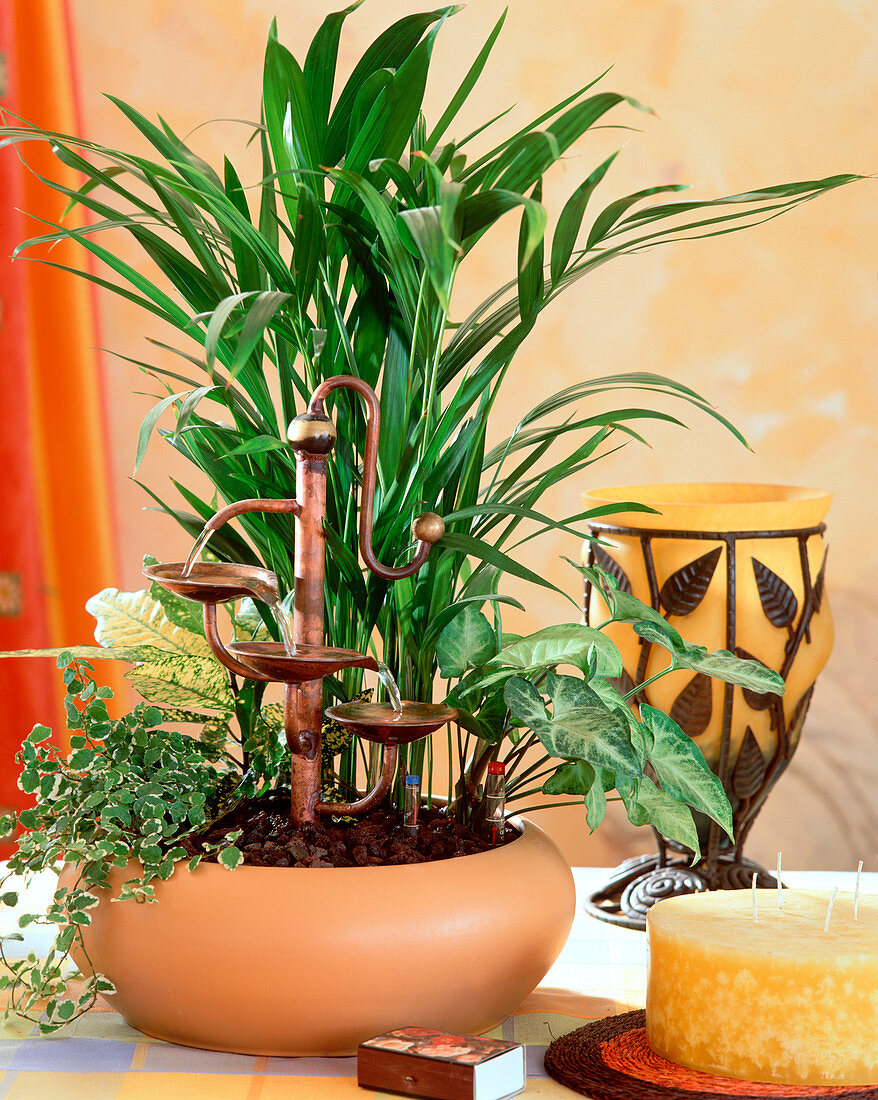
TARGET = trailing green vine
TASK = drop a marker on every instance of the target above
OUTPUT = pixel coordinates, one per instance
(127, 793)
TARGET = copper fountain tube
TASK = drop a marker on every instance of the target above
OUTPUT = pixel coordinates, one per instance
(303, 707)
(219, 651)
(370, 472)
(375, 797)
(254, 504)
(211, 631)
(312, 435)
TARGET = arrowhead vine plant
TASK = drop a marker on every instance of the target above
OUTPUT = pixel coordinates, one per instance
(342, 256)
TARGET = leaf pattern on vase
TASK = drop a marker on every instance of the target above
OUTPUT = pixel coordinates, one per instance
(611, 566)
(749, 773)
(819, 588)
(758, 700)
(693, 707)
(684, 590)
(797, 720)
(778, 600)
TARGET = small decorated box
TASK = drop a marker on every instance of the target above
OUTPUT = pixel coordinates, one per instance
(420, 1061)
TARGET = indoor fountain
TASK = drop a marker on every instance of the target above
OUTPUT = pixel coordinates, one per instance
(301, 660)
(312, 932)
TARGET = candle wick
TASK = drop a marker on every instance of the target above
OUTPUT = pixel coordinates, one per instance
(829, 910)
(857, 891)
(779, 883)
(755, 910)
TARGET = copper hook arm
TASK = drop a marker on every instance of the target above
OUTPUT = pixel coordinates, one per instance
(211, 631)
(389, 759)
(434, 528)
(253, 505)
(219, 651)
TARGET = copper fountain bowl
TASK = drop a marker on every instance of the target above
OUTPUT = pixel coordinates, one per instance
(309, 662)
(215, 582)
(380, 722)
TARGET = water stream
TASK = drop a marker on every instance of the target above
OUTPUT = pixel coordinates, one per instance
(284, 619)
(282, 615)
(390, 687)
(197, 547)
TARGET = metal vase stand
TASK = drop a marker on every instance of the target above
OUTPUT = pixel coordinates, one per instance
(638, 883)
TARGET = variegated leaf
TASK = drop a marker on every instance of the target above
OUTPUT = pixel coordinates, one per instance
(613, 698)
(182, 715)
(89, 652)
(682, 770)
(230, 857)
(758, 700)
(622, 683)
(684, 590)
(611, 566)
(647, 804)
(249, 624)
(566, 643)
(580, 728)
(135, 618)
(184, 613)
(215, 729)
(216, 732)
(272, 714)
(721, 665)
(180, 681)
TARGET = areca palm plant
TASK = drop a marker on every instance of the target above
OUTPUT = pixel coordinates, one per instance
(343, 258)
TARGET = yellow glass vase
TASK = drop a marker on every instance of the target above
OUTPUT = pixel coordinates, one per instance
(731, 566)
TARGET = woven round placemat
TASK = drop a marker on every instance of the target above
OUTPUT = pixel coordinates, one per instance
(611, 1060)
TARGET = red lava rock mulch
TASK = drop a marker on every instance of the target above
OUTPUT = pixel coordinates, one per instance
(269, 838)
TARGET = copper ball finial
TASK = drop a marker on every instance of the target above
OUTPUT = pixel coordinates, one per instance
(428, 527)
(312, 432)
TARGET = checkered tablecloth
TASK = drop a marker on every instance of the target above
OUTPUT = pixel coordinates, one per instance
(601, 971)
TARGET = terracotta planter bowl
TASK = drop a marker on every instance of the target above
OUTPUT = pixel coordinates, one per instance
(310, 961)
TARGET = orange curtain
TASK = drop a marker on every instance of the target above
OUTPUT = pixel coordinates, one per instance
(57, 543)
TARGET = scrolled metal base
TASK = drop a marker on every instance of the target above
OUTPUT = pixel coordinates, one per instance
(637, 884)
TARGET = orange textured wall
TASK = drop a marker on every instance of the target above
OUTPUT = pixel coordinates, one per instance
(776, 326)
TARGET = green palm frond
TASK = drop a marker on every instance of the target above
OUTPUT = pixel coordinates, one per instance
(362, 218)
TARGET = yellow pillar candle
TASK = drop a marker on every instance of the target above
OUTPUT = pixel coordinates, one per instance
(775, 999)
